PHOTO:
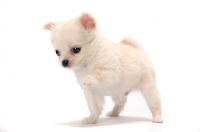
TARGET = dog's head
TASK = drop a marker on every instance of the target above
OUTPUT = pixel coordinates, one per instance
(72, 39)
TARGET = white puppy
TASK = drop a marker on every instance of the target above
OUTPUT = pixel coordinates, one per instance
(104, 68)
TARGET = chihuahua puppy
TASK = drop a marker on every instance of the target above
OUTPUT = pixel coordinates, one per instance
(104, 68)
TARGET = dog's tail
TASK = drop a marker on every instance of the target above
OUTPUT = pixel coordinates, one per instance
(133, 43)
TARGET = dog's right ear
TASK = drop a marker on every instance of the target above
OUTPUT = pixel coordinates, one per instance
(49, 26)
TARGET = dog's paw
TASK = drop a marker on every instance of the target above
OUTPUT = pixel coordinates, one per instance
(112, 114)
(157, 119)
(89, 80)
(89, 121)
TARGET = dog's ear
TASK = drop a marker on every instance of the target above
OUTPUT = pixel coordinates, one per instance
(49, 26)
(87, 21)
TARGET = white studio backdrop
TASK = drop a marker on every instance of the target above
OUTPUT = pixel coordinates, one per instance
(36, 94)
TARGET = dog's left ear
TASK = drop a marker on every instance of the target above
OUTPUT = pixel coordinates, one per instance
(49, 26)
(87, 21)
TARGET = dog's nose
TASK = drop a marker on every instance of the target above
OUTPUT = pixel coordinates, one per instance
(65, 63)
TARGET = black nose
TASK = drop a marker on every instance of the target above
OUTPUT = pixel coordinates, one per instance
(65, 63)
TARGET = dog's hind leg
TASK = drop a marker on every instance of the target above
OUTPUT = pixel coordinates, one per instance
(151, 94)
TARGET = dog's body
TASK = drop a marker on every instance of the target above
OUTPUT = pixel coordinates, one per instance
(104, 68)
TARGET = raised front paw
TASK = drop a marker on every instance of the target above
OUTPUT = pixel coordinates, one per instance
(89, 80)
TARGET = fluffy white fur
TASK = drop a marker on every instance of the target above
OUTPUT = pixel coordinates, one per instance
(104, 68)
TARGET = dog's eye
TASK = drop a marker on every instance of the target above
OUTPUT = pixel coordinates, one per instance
(76, 50)
(58, 53)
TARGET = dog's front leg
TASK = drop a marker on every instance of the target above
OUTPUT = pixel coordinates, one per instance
(99, 75)
(93, 107)
(94, 100)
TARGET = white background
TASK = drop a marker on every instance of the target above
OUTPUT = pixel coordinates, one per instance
(37, 95)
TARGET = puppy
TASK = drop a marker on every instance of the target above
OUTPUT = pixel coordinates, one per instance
(104, 68)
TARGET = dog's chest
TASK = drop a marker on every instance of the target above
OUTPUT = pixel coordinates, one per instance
(81, 72)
